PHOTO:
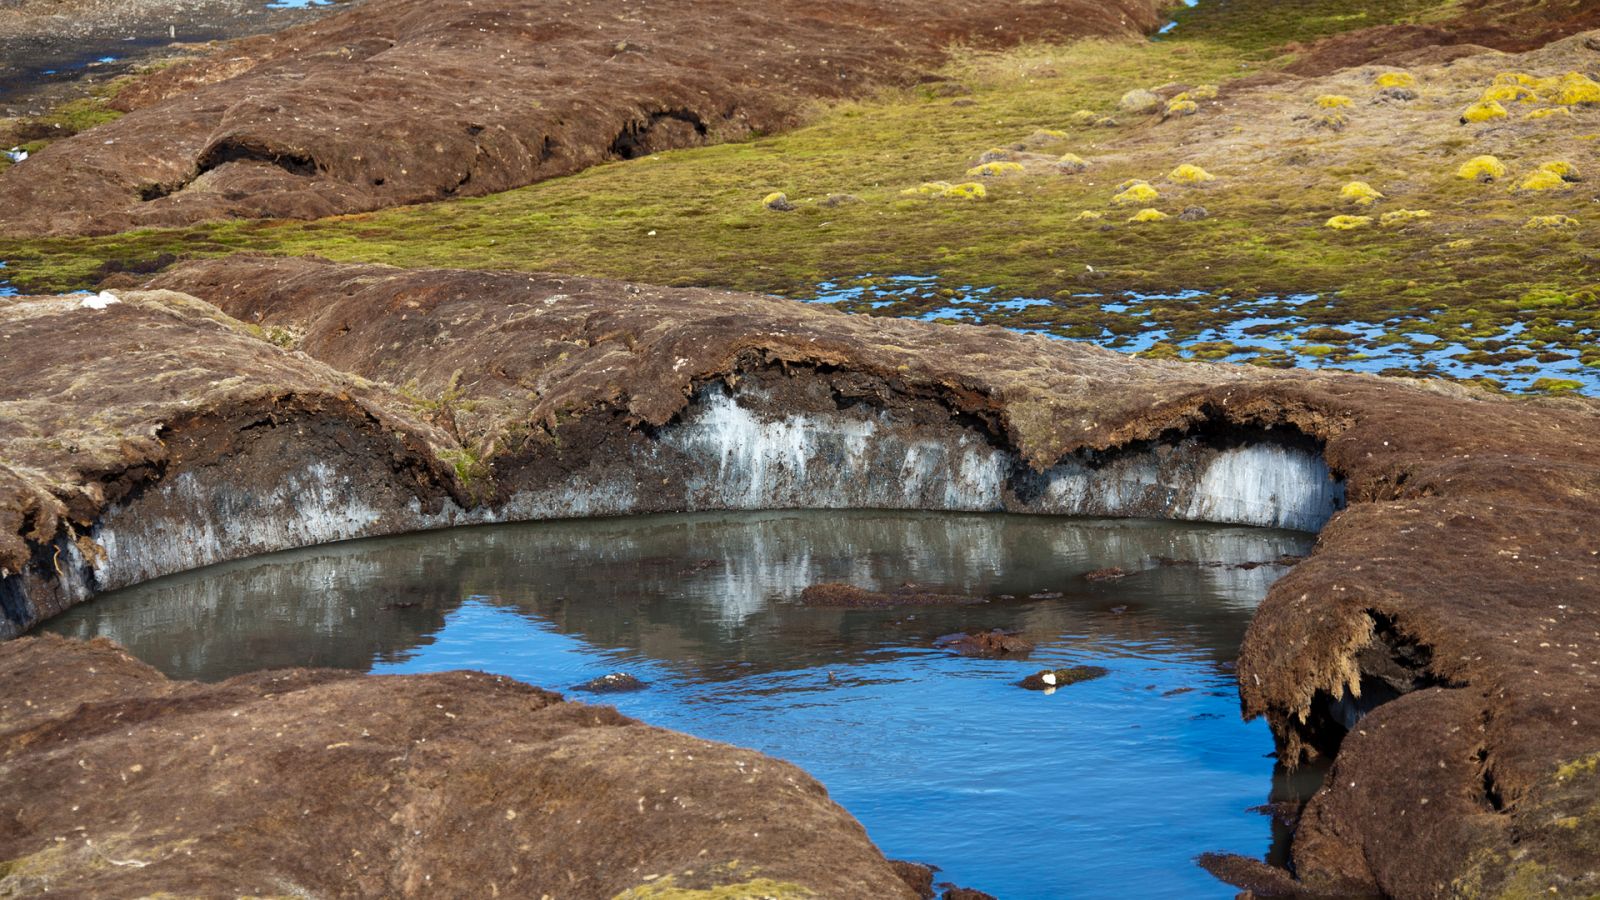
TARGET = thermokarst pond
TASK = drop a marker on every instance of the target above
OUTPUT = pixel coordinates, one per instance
(1109, 786)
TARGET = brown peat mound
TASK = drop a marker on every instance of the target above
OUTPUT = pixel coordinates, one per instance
(405, 101)
(305, 782)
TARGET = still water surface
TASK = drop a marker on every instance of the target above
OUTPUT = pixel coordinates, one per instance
(1107, 788)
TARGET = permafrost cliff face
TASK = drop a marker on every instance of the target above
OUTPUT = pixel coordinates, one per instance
(727, 452)
(749, 461)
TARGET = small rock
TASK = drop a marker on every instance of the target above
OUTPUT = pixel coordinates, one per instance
(833, 200)
(1139, 101)
(1051, 679)
(615, 683)
(777, 202)
(1395, 95)
(1110, 573)
(917, 876)
(952, 892)
(1193, 214)
(1593, 43)
(1045, 595)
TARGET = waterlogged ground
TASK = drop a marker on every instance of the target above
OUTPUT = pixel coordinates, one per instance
(1107, 788)
(1281, 331)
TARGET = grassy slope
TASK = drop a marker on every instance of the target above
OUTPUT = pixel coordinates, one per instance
(694, 217)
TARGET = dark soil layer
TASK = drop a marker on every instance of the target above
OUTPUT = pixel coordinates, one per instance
(1460, 582)
(119, 782)
(401, 101)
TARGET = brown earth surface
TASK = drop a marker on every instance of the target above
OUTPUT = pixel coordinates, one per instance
(305, 782)
(1469, 27)
(1461, 579)
(52, 50)
(403, 101)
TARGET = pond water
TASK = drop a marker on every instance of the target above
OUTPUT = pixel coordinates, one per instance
(1104, 788)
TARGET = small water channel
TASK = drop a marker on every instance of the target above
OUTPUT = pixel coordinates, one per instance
(1106, 788)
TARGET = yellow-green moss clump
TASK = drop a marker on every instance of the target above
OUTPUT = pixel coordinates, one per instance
(1548, 112)
(970, 190)
(1071, 162)
(1148, 215)
(994, 170)
(1561, 167)
(1085, 117)
(1583, 765)
(1482, 168)
(1190, 174)
(1538, 223)
(1483, 111)
(1132, 193)
(1348, 223)
(1090, 215)
(1543, 180)
(1556, 385)
(1396, 80)
(1176, 107)
(777, 201)
(927, 189)
(1402, 216)
(1509, 93)
(1334, 101)
(1360, 193)
(1576, 88)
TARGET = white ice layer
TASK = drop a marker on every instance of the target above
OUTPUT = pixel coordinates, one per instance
(748, 462)
(735, 458)
(842, 461)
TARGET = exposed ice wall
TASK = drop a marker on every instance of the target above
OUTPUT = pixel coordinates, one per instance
(722, 454)
(748, 461)
(842, 461)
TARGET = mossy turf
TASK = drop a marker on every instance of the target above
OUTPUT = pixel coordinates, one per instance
(1469, 272)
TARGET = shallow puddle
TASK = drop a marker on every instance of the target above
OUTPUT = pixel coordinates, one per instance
(1530, 351)
(1104, 788)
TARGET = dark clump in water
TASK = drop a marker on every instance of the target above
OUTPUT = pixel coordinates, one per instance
(1095, 786)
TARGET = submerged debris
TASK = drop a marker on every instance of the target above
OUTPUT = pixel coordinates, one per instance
(987, 644)
(615, 683)
(1051, 679)
(848, 596)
